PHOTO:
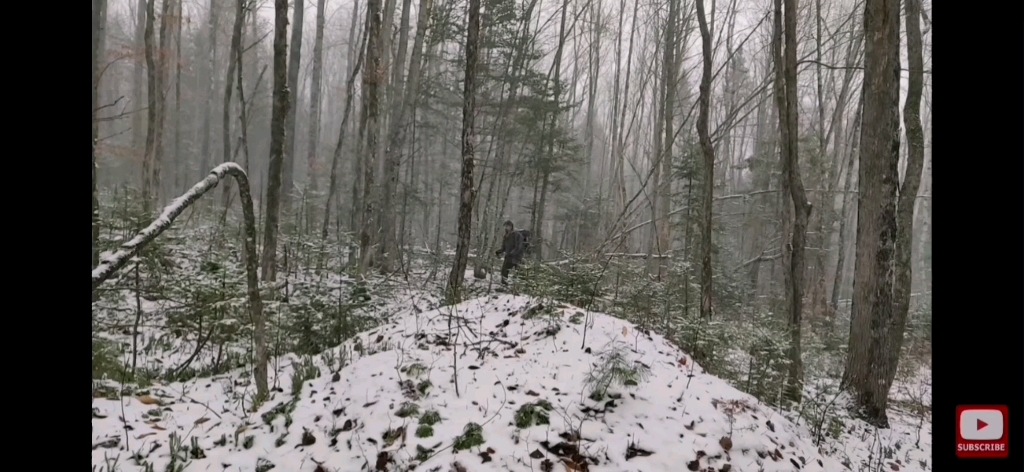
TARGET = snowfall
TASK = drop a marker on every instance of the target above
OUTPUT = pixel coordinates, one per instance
(476, 365)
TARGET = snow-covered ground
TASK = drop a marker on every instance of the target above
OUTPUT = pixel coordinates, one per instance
(506, 353)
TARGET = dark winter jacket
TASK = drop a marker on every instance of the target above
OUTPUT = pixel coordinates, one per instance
(513, 248)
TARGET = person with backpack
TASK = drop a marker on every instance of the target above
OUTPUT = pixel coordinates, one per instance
(513, 246)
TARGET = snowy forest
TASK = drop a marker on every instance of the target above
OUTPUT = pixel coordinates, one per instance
(511, 235)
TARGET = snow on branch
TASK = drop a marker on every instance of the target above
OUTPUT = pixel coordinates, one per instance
(111, 263)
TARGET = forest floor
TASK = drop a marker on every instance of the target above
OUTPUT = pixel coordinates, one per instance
(499, 382)
(524, 403)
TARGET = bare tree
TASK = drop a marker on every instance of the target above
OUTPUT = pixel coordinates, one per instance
(294, 59)
(140, 64)
(873, 317)
(708, 150)
(277, 132)
(466, 188)
(387, 217)
(208, 102)
(350, 90)
(148, 159)
(792, 187)
(892, 338)
(373, 76)
(314, 98)
(229, 81)
(98, 27)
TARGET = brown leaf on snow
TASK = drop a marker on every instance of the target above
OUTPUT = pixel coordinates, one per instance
(202, 420)
(625, 331)
(144, 435)
(726, 443)
(158, 428)
(148, 400)
(894, 466)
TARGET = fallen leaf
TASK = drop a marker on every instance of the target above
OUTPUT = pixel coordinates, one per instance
(726, 443)
(202, 420)
(148, 400)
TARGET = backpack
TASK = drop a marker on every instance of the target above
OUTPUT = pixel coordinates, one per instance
(525, 233)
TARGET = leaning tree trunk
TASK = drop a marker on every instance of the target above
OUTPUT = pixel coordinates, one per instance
(791, 181)
(294, 56)
(706, 309)
(467, 191)
(873, 315)
(277, 131)
(109, 265)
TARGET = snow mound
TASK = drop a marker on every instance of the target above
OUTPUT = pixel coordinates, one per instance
(394, 405)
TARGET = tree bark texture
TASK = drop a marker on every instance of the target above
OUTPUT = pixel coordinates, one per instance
(466, 188)
(294, 59)
(277, 132)
(873, 318)
(708, 150)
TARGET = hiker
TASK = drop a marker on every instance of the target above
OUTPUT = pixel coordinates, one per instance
(512, 246)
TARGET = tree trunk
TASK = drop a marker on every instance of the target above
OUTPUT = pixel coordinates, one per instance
(467, 190)
(229, 80)
(537, 225)
(388, 251)
(312, 167)
(208, 102)
(151, 110)
(801, 207)
(98, 31)
(294, 59)
(663, 230)
(179, 166)
(373, 76)
(892, 337)
(837, 282)
(708, 149)
(138, 88)
(873, 318)
(277, 134)
(350, 91)
(161, 101)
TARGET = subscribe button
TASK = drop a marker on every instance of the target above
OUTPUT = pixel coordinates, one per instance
(982, 431)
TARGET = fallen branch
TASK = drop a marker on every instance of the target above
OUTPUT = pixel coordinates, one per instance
(638, 255)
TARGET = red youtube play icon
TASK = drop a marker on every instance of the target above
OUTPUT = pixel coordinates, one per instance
(982, 431)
